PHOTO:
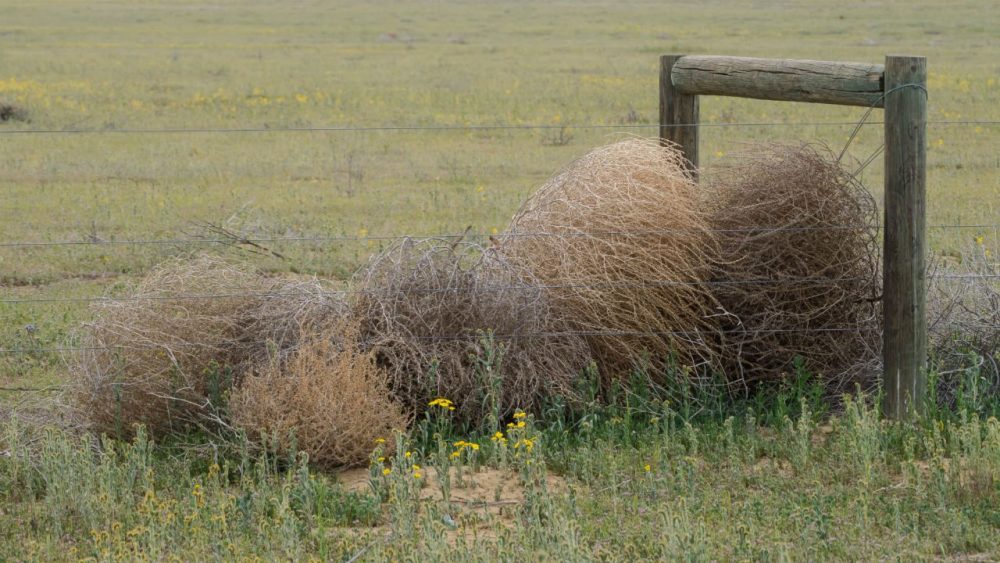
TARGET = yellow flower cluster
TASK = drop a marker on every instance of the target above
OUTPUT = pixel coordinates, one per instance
(462, 445)
(443, 403)
(526, 443)
(498, 438)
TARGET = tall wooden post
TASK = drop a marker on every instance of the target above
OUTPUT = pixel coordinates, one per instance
(904, 273)
(678, 114)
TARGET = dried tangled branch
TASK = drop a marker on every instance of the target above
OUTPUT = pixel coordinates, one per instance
(626, 248)
(167, 355)
(329, 400)
(456, 320)
(798, 268)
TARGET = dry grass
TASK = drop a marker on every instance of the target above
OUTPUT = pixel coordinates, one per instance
(799, 265)
(621, 240)
(964, 321)
(329, 400)
(455, 320)
(168, 363)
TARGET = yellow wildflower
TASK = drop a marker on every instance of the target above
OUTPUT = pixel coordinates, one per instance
(386, 471)
(648, 468)
(379, 440)
(519, 415)
(441, 402)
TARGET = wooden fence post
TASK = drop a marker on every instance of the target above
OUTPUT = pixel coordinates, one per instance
(905, 322)
(901, 88)
(678, 114)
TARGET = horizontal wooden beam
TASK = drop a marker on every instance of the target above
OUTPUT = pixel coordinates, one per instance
(852, 84)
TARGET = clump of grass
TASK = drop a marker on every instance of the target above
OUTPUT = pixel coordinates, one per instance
(798, 267)
(328, 400)
(167, 352)
(453, 319)
(621, 241)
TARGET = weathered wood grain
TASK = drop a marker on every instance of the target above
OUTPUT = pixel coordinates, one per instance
(825, 82)
(905, 331)
(678, 114)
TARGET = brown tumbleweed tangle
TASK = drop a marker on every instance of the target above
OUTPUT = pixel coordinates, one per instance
(798, 266)
(626, 251)
(328, 400)
(169, 363)
(459, 321)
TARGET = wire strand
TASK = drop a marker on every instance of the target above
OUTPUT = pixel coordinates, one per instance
(494, 289)
(482, 127)
(472, 337)
(392, 290)
(385, 238)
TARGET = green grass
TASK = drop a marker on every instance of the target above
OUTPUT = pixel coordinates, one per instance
(639, 480)
(719, 488)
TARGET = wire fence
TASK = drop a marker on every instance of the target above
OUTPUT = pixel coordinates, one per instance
(238, 239)
(647, 284)
(474, 127)
(472, 335)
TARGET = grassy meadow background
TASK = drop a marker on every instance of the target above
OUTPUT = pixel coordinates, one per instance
(118, 67)
(151, 119)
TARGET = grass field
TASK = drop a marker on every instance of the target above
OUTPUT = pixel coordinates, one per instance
(130, 74)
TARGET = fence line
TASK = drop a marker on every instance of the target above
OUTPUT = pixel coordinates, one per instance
(479, 335)
(523, 287)
(430, 290)
(526, 287)
(405, 128)
(384, 238)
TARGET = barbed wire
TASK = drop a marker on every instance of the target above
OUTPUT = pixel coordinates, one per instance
(429, 290)
(471, 336)
(526, 287)
(474, 127)
(390, 238)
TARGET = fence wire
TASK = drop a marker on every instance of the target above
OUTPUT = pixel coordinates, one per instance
(474, 127)
(526, 287)
(479, 335)
(28, 350)
(237, 239)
